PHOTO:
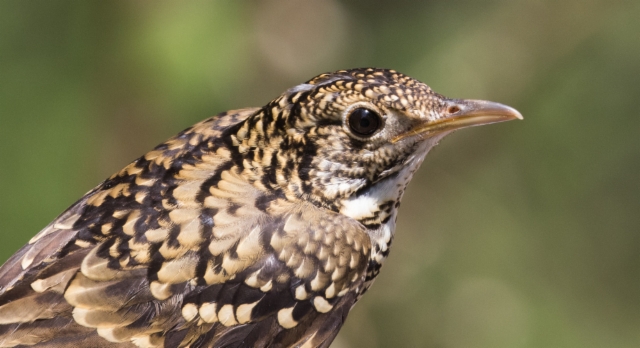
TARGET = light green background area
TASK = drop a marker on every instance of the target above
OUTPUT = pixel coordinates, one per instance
(523, 234)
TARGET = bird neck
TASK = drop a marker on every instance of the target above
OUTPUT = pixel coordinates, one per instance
(284, 162)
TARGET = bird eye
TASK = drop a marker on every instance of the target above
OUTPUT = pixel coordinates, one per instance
(364, 122)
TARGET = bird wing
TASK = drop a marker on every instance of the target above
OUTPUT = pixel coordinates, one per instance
(179, 249)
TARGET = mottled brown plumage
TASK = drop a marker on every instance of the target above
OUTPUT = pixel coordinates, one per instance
(255, 228)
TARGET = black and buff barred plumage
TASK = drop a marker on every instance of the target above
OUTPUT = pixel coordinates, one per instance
(258, 227)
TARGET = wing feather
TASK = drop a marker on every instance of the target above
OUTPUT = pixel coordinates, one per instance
(174, 251)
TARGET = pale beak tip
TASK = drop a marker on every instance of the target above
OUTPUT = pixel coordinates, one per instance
(516, 114)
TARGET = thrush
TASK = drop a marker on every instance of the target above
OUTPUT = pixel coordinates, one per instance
(258, 227)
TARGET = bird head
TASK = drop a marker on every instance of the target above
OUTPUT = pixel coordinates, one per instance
(351, 140)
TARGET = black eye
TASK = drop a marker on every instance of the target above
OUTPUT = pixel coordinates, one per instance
(364, 122)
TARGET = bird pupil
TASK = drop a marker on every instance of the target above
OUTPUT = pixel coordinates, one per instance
(364, 122)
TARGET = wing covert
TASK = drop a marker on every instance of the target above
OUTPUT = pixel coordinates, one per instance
(179, 249)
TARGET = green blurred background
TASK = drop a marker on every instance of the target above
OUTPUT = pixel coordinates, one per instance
(524, 234)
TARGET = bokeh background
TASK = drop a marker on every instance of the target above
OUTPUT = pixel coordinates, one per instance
(523, 234)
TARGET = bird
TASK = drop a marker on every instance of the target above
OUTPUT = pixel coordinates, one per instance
(258, 227)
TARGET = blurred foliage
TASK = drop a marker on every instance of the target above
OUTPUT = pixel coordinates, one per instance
(523, 234)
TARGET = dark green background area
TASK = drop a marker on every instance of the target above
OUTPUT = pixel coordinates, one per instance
(523, 234)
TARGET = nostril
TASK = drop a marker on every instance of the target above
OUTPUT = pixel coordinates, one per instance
(453, 109)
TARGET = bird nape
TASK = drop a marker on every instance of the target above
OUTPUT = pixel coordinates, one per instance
(258, 227)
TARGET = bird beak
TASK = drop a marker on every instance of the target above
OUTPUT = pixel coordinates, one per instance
(461, 113)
